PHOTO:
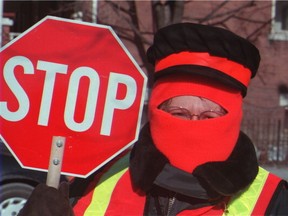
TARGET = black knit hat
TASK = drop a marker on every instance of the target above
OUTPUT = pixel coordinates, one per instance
(206, 51)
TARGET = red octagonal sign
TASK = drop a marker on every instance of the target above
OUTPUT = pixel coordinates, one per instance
(72, 79)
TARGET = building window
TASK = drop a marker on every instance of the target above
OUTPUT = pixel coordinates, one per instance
(283, 95)
(284, 18)
(279, 30)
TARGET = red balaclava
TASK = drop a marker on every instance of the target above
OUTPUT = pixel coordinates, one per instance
(188, 143)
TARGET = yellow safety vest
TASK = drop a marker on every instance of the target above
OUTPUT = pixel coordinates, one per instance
(241, 204)
(244, 202)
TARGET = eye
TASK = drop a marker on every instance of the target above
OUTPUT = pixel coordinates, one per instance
(210, 115)
(179, 114)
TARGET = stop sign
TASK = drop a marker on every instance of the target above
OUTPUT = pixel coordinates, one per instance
(73, 79)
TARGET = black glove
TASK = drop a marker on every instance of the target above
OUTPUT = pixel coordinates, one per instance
(48, 201)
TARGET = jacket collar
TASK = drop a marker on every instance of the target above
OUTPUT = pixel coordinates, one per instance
(217, 178)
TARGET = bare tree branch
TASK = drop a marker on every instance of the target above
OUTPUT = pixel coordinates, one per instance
(165, 12)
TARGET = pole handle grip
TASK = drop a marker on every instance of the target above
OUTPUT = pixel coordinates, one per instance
(55, 161)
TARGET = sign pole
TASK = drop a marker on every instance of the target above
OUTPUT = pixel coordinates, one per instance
(55, 162)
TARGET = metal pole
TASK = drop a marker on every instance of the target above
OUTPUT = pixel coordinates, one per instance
(278, 140)
(1, 21)
(94, 10)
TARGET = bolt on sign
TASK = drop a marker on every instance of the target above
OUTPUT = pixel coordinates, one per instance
(71, 79)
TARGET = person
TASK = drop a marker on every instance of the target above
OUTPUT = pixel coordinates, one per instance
(191, 157)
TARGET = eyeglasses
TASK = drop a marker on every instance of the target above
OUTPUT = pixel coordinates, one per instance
(183, 113)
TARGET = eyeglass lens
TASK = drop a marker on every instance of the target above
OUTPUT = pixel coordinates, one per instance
(183, 113)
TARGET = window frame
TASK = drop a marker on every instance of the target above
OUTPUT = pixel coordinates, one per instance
(277, 33)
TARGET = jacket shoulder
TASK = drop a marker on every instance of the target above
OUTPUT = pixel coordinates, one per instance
(279, 202)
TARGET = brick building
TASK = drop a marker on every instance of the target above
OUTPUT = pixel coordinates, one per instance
(265, 23)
